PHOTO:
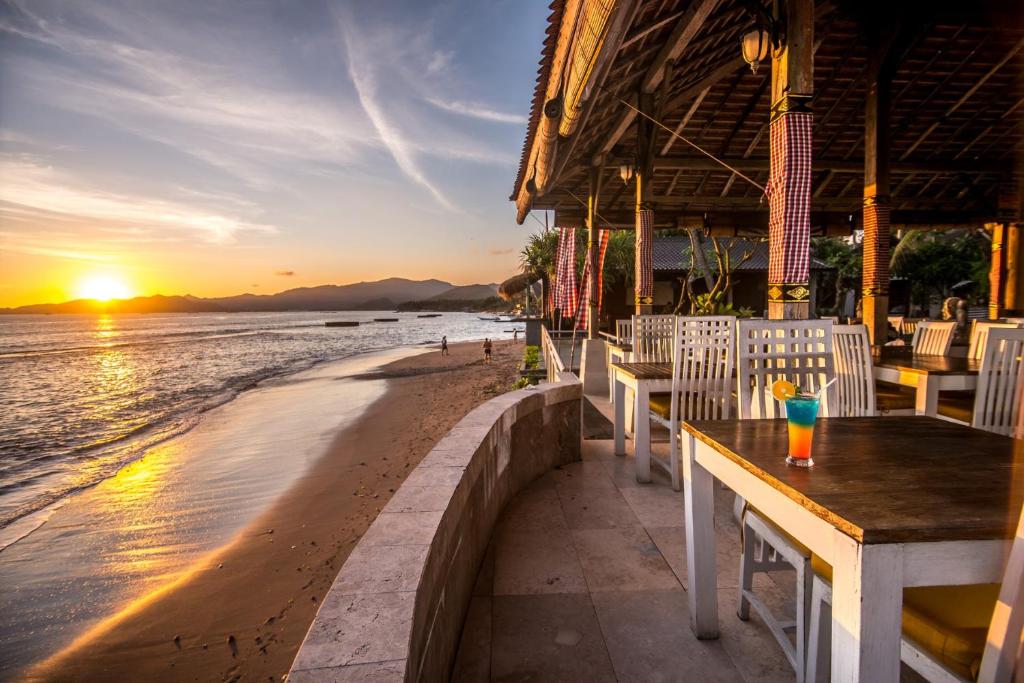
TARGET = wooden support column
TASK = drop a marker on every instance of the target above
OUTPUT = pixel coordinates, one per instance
(877, 204)
(644, 207)
(789, 225)
(1013, 288)
(996, 271)
(593, 253)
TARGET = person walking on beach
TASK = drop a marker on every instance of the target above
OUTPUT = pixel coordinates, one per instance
(487, 351)
(515, 334)
(444, 345)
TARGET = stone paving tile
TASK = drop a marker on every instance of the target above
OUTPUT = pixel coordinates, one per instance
(473, 663)
(649, 639)
(596, 509)
(622, 560)
(749, 643)
(534, 561)
(581, 475)
(534, 509)
(381, 569)
(358, 629)
(378, 672)
(656, 506)
(548, 638)
(598, 450)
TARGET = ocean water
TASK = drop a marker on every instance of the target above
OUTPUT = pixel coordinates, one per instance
(83, 395)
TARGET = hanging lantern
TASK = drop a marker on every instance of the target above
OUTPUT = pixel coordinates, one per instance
(756, 46)
(626, 172)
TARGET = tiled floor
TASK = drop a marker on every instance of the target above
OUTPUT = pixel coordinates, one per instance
(585, 580)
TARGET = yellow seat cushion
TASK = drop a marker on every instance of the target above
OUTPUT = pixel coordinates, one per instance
(661, 404)
(949, 622)
(958, 405)
(890, 396)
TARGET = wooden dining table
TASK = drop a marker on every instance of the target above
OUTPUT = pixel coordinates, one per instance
(929, 374)
(643, 379)
(890, 503)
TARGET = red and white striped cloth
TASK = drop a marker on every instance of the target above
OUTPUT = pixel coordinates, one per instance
(583, 315)
(876, 246)
(789, 199)
(565, 274)
(644, 281)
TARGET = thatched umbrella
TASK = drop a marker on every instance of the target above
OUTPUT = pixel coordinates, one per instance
(516, 285)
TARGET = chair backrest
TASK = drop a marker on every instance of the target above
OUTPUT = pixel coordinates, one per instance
(768, 350)
(979, 335)
(652, 338)
(855, 376)
(997, 402)
(908, 325)
(897, 322)
(933, 338)
(702, 365)
(624, 331)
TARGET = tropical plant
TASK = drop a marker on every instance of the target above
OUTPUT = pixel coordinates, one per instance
(531, 357)
(717, 278)
(935, 261)
(846, 257)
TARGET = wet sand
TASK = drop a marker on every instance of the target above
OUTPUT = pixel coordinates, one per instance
(241, 612)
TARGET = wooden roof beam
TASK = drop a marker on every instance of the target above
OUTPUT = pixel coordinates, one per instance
(703, 163)
(686, 28)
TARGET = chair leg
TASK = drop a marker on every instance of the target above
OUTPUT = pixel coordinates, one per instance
(819, 645)
(747, 561)
(804, 589)
(674, 459)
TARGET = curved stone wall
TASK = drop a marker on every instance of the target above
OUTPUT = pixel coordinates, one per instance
(396, 609)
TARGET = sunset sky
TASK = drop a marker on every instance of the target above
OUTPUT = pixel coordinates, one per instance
(213, 148)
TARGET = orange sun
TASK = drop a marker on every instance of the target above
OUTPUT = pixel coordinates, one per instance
(102, 287)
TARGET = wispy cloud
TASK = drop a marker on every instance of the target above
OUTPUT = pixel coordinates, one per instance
(284, 273)
(30, 192)
(501, 252)
(366, 88)
(476, 111)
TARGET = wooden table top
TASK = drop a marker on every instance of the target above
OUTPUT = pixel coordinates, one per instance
(887, 479)
(642, 371)
(922, 364)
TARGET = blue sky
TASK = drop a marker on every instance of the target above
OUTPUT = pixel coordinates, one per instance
(211, 147)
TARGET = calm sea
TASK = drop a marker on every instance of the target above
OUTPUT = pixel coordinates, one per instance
(80, 396)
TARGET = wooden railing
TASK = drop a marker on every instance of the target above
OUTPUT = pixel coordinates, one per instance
(552, 358)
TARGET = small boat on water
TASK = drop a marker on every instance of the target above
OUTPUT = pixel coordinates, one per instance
(342, 323)
(489, 319)
(429, 315)
(385, 320)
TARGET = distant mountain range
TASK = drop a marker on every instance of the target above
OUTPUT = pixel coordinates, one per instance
(381, 295)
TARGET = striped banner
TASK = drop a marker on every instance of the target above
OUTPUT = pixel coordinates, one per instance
(876, 246)
(584, 313)
(789, 203)
(565, 291)
(644, 281)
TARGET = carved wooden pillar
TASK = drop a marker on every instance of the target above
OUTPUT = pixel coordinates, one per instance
(877, 204)
(789, 196)
(593, 254)
(644, 276)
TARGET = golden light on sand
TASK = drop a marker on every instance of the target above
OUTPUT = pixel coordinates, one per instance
(103, 287)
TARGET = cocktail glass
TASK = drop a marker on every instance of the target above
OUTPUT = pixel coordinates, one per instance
(801, 412)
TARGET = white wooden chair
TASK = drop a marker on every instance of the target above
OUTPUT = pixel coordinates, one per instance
(855, 375)
(702, 365)
(652, 338)
(908, 326)
(624, 330)
(652, 343)
(996, 661)
(799, 351)
(897, 322)
(998, 401)
(623, 335)
(979, 335)
(933, 338)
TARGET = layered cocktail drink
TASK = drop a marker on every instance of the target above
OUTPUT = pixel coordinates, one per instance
(801, 412)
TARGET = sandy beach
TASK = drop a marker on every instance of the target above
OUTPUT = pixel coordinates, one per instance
(241, 612)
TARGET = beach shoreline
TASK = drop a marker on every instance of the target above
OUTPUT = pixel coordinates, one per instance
(241, 611)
